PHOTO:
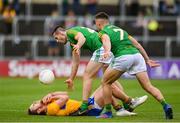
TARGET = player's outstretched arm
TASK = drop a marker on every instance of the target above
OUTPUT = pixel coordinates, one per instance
(54, 95)
(61, 100)
(59, 93)
(74, 69)
(150, 62)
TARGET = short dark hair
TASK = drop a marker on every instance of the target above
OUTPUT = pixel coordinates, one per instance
(30, 112)
(58, 28)
(102, 15)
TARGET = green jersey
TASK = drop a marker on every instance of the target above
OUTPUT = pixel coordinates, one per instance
(120, 43)
(92, 42)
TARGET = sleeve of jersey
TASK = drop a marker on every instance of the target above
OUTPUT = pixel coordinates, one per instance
(101, 33)
(72, 33)
(52, 109)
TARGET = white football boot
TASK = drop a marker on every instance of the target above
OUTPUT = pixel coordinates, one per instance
(122, 112)
(138, 101)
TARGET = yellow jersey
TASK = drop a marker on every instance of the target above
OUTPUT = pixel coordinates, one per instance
(70, 107)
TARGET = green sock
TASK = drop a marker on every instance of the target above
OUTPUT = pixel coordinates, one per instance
(163, 102)
(84, 105)
(126, 106)
(126, 103)
(108, 108)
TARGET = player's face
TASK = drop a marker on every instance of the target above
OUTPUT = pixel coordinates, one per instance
(38, 107)
(98, 23)
(60, 37)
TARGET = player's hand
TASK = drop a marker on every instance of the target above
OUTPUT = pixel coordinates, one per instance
(47, 99)
(70, 84)
(152, 63)
(106, 55)
(76, 48)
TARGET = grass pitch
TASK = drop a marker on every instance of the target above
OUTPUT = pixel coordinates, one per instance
(16, 94)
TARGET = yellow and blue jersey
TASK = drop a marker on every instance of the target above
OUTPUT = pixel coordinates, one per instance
(70, 107)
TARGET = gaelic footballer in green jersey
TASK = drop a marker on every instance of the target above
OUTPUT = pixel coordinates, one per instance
(92, 41)
(88, 39)
(130, 57)
(120, 42)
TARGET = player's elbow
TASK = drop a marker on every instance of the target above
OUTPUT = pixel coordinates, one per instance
(66, 97)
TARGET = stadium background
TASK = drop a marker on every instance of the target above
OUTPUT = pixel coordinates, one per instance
(26, 47)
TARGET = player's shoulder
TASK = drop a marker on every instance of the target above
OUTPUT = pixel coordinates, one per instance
(72, 31)
(109, 26)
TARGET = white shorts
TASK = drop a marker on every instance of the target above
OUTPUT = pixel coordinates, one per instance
(132, 64)
(98, 54)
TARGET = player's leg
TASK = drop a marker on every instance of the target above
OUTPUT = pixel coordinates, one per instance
(146, 84)
(120, 111)
(117, 88)
(92, 68)
(105, 66)
(90, 71)
(129, 103)
(124, 98)
(118, 91)
(139, 69)
(155, 92)
(110, 76)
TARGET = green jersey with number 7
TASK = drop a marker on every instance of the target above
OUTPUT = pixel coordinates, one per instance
(121, 45)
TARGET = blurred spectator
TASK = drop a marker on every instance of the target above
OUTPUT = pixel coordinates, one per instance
(166, 9)
(177, 7)
(92, 6)
(148, 12)
(140, 20)
(16, 6)
(5, 2)
(76, 7)
(13, 3)
(152, 24)
(88, 22)
(134, 8)
(8, 15)
(70, 20)
(53, 48)
(1, 6)
(65, 6)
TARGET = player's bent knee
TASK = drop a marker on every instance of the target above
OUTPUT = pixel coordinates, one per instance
(106, 81)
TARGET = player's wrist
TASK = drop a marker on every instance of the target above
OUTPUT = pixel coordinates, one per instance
(147, 60)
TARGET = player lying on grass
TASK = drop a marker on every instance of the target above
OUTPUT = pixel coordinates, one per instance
(59, 104)
(87, 39)
(127, 55)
